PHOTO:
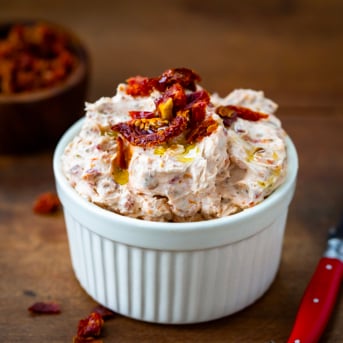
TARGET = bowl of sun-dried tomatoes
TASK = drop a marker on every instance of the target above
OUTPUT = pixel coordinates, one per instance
(44, 72)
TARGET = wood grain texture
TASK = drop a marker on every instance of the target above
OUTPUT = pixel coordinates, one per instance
(290, 49)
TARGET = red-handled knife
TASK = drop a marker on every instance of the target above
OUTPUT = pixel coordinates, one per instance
(321, 293)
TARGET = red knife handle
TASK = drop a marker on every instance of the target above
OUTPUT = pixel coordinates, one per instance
(317, 302)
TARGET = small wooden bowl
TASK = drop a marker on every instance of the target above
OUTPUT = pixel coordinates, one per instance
(34, 121)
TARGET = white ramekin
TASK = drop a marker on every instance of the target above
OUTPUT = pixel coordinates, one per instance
(175, 272)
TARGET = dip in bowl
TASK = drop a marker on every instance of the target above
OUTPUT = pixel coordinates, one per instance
(174, 271)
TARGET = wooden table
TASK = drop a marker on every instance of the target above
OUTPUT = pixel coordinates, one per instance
(291, 50)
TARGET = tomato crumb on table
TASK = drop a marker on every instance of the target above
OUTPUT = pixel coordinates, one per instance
(89, 327)
(45, 308)
(104, 312)
(46, 203)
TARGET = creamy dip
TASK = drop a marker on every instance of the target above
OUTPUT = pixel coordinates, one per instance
(232, 168)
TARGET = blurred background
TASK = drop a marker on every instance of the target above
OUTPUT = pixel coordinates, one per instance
(292, 49)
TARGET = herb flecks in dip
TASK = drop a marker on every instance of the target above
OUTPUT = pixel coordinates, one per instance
(165, 149)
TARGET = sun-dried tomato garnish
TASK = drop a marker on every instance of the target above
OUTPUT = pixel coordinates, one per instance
(228, 115)
(199, 96)
(121, 159)
(143, 86)
(197, 103)
(204, 129)
(178, 95)
(187, 78)
(91, 326)
(140, 85)
(152, 135)
(46, 203)
(231, 112)
(177, 111)
(45, 308)
(104, 312)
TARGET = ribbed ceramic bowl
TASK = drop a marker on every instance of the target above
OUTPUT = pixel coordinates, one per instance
(175, 272)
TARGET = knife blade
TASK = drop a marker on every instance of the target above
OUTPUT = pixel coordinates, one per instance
(320, 295)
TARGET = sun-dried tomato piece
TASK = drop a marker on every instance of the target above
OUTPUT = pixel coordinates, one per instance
(177, 93)
(45, 308)
(195, 97)
(104, 312)
(228, 115)
(198, 113)
(46, 203)
(143, 86)
(228, 121)
(152, 135)
(137, 127)
(204, 129)
(187, 78)
(197, 103)
(91, 326)
(140, 85)
(231, 111)
(123, 154)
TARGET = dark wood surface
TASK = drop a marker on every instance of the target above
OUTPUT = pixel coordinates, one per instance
(293, 50)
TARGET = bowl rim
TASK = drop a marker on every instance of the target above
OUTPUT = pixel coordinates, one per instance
(79, 49)
(174, 235)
